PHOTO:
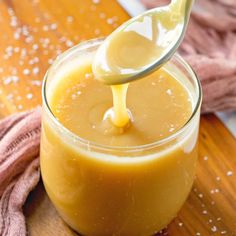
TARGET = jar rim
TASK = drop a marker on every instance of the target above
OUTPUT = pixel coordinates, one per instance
(95, 42)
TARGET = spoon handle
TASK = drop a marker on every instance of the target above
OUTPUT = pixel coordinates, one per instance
(182, 7)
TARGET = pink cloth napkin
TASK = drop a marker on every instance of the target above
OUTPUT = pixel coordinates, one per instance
(19, 168)
(210, 47)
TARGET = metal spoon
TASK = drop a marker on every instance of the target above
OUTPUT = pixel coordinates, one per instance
(142, 44)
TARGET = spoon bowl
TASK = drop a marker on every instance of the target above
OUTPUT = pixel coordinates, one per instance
(142, 44)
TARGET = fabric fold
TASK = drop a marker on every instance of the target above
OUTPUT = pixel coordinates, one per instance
(19, 168)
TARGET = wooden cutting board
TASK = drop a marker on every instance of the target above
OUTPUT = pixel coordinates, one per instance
(33, 32)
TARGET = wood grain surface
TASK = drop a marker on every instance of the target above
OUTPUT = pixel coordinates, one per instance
(33, 33)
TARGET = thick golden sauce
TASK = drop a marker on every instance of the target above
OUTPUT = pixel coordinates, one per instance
(158, 105)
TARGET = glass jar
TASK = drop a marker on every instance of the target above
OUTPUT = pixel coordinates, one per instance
(106, 190)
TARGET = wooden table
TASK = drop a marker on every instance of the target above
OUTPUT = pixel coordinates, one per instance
(33, 33)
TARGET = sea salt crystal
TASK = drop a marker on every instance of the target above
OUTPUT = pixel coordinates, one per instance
(88, 75)
(9, 96)
(102, 15)
(10, 11)
(229, 173)
(45, 28)
(16, 35)
(97, 31)
(29, 96)
(200, 195)
(69, 43)
(205, 158)
(14, 21)
(96, 1)
(204, 212)
(50, 61)
(36, 83)
(35, 70)
(23, 52)
(169, 92)
(223, 232)
(11, 79)
(35, 46)
(198, 234)
(25, 30)
(70, 19)
(218, 178)
(26, 71)
(20, 107)
(214, 228)
(218, 219)
(16, 49)
(53, 26)
(180, 224)
(29, 39)
(110, 21)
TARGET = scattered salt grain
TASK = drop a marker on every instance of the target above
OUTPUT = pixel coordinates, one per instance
(53, 26)
(45, 28)
(88, 75)
(169, 92)
(102, 15)
(204, 212)
(218, 178)
(16, 35)
(229, 173)
(69, 19)
(96, 1)
(198, 234)
(29, 39)
(180, 224)
(218, 219)
(35, 46)
(35, 70)
(205, 158)
(200, 195)
(50, 61)
(26, 71)
(69, 43)
(97, 31)
(36, 83)
(11, 79)
(16, 49)
(20, 107)
(223, 232)
(214, 228)
(110, 21)
(29, 96)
